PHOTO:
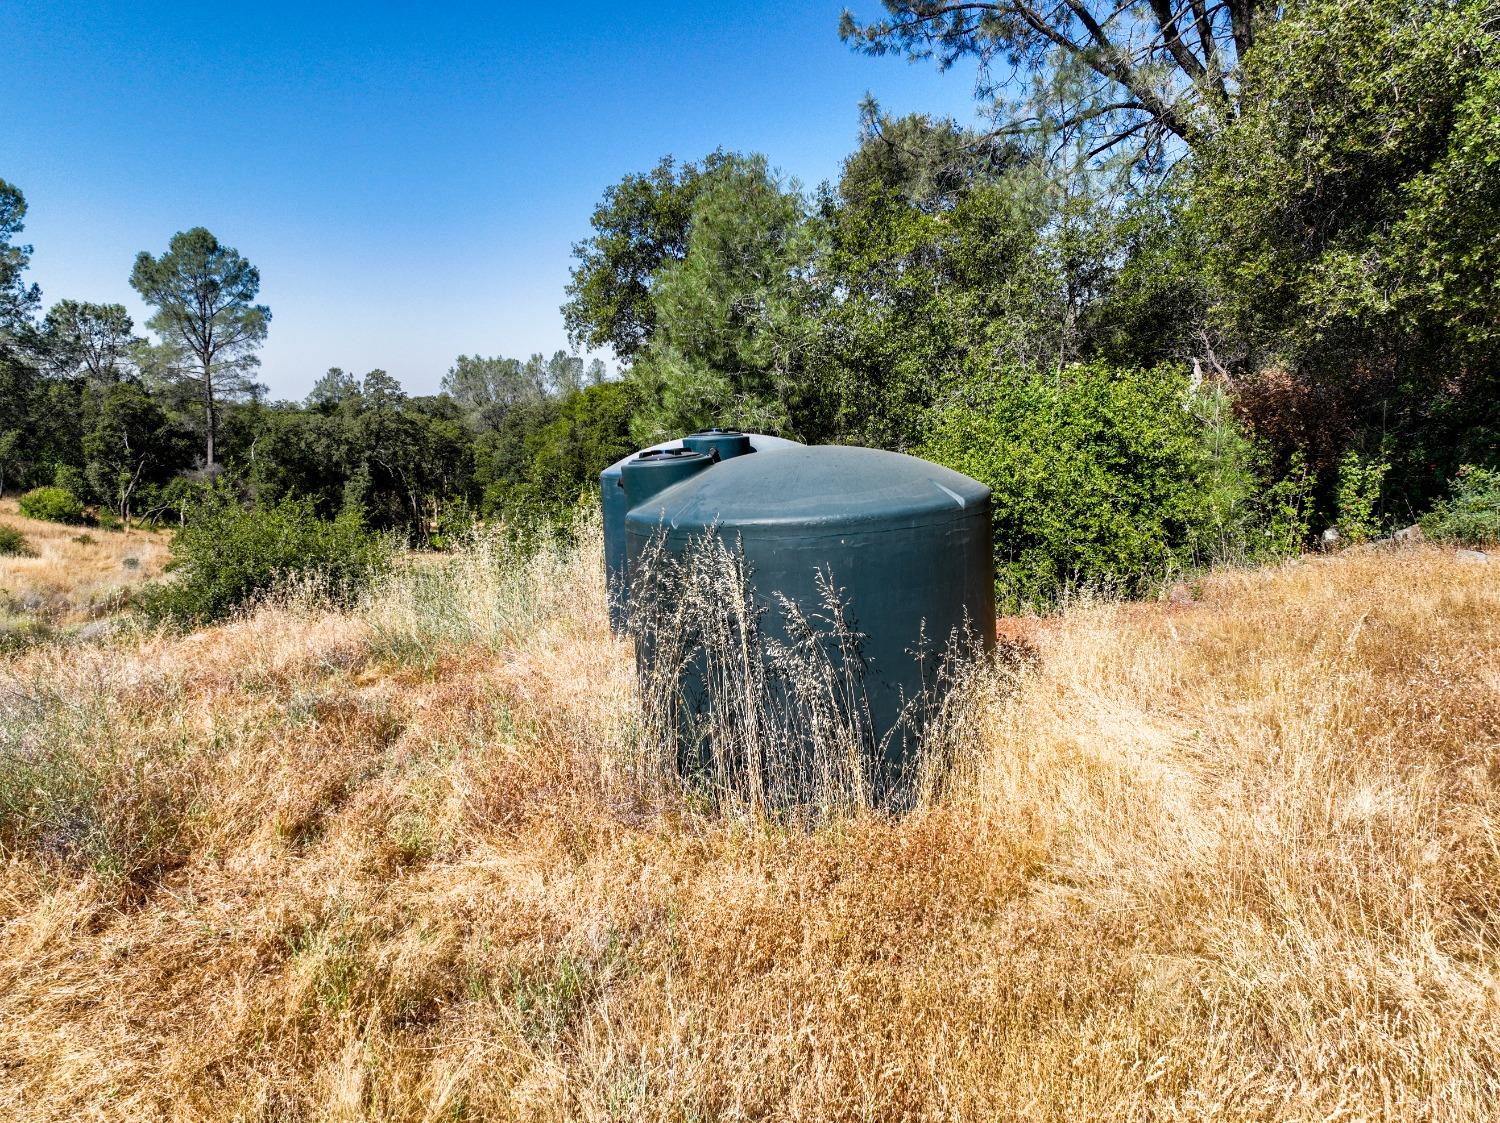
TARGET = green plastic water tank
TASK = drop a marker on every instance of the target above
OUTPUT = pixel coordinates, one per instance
(728, 443)
(908, 542)
(644, 475)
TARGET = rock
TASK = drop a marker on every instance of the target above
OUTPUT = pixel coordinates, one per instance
(1471, 555)
(1180, 594)
(1330, 538)
(1410, 536)
(95, 629)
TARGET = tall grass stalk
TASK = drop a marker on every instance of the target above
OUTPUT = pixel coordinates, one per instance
(760, 702)
(495, 589)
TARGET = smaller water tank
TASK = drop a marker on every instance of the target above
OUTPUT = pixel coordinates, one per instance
(727, 443)
(643, 476)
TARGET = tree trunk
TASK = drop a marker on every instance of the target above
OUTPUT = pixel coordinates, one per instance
(210, 421)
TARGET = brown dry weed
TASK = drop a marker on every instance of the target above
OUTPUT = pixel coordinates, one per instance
(74, 574)
(1231, 860)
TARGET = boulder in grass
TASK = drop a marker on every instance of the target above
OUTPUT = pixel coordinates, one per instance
(1181, 595)
(1471, 556)
(1410, 536)
(96, 630)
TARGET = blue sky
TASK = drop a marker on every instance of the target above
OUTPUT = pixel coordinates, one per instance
(408, 178)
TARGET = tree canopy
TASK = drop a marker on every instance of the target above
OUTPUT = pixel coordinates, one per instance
(1132, 79)
(640, 225)
(203, 293)
(18, 300)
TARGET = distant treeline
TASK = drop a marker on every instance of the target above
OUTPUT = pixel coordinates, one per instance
(1222, 278)
(504, 438)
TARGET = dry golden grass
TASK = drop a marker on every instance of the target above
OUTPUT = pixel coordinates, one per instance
(1235, 860)
(78, 573)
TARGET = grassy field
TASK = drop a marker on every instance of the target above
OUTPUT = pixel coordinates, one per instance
(71, 575)
(1234, 859)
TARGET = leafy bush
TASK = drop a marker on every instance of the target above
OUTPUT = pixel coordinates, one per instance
(13, 543)
(456, 522)
(17, 633)
(1471, 514)
(1108, 477)
(1360, 479)
(52, 504)
(229, 555)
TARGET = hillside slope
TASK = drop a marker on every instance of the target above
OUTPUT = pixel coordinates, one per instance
(70, 575)
(1238, 859)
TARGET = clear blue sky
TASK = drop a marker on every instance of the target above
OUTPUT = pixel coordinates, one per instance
(408, 178)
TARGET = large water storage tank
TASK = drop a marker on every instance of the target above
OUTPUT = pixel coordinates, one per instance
(906, 541)
(726, 443)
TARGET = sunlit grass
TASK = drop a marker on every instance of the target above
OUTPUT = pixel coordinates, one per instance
(72, 574)
(1237, 859)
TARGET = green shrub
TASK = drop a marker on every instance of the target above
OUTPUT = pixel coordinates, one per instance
(1360, 480)
(13, 543)
(457, 522)
(1471, 514)
(230, 555)
(18, 633)
(52, 504)
(1107, 477)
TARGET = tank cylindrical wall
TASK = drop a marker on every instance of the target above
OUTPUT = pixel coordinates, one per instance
(908, 575)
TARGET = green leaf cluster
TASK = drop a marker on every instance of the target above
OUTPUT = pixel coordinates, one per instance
(13, 543)
(730, 334)
(1360, 478)
(229, 555)
(52, 504)
(1102, 477)
(1470, 515)
(1348, 225)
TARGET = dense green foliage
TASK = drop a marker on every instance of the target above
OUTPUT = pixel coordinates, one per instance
(18, 300)
(13, 543)
(229, 554)
(640, 226)
(52, 504)
(1349, 221)
(926, 279)
(726, 347)
(1101, 477)
(1470, 515)
(1219, 277)
(590, 432)
(1358, 512)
